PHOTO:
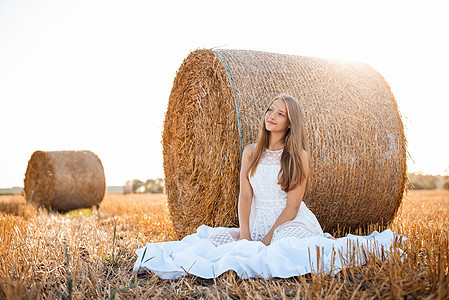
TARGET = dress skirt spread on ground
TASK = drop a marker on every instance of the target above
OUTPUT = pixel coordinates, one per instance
(297, 247)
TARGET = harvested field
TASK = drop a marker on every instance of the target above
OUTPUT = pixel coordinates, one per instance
(90, 254)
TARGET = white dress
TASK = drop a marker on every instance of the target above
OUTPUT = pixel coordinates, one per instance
(269, 200)
(297, 247)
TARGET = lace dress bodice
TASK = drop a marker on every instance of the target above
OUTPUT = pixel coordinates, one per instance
(269, 200)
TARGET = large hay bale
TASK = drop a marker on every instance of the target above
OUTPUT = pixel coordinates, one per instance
(65, 180)
(355, 134)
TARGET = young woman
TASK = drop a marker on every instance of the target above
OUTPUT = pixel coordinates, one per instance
(273, 180)
(278, 234)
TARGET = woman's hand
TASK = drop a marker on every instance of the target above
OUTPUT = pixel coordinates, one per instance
(266, 240)
(245, 237)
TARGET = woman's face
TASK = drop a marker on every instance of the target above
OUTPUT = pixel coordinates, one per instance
(276, 118)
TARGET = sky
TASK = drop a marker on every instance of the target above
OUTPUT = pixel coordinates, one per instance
(96, 75)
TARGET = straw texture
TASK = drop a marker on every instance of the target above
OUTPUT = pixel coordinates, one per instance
(355, 134)
(65, 180)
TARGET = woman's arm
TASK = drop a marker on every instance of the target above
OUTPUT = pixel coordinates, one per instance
(245, 195)
(294, 199)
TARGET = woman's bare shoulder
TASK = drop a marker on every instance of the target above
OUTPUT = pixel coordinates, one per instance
(305, 159)
(249, 150)
(304, 155)
(251, 146)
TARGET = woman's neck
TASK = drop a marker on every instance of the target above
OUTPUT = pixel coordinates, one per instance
(275, 142)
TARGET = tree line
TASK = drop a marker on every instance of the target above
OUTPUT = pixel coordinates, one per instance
(136, 186)
(416, 181)
(420, 181)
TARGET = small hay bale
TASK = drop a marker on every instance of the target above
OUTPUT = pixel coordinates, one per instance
(65, 180)
(355, 134)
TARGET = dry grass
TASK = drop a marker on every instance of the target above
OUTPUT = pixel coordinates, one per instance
(49, 255)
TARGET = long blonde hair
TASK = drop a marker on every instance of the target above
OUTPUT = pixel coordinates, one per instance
(293, 167)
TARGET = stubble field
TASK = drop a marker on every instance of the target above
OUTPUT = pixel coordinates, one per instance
(91, 253)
